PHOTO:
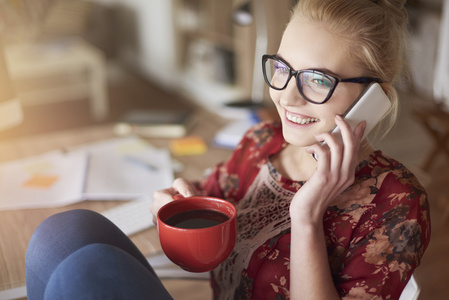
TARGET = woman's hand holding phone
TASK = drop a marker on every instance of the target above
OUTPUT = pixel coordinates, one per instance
(334, 173)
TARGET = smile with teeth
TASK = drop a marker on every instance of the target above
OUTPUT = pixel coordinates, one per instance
(299, 120)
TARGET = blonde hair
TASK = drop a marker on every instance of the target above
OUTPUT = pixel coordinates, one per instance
(375, 31)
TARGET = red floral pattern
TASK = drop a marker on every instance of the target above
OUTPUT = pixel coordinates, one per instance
(376, 231)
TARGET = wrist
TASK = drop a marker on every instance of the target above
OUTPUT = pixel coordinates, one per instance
(307, 224)
(308, 217)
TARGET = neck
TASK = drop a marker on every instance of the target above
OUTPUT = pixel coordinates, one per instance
(295, 163)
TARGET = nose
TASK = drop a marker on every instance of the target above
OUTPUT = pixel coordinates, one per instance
(290, 95)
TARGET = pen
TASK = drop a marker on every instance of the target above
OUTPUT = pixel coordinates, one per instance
(141, 162)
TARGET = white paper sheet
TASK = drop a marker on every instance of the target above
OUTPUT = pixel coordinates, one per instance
(126, 168)
(51, 179)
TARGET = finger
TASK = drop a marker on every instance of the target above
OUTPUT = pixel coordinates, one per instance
(336, 149)
(359, 131)
(345, 128)
(160, 198)
(184, 187)
(321, 154)
(351, 140)
(358, 135)
(346, 131)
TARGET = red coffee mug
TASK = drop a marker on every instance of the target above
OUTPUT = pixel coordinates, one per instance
(197, 249)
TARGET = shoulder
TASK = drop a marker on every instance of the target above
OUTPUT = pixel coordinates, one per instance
(383, 182)
(393, 181)
(385, 196)
(261, 140)
(389, 211)
(402, 199)
(263, 133)
(400, 209)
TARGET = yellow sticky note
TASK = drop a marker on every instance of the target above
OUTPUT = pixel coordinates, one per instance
(191, 145)
(41, 181)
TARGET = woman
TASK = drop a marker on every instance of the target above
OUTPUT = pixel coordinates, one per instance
(352, 224)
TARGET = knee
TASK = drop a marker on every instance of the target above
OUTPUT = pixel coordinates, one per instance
(60, 223)
(71, 218)
(54, 239)
(65, 228)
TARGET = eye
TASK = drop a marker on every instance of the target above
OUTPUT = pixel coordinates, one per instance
(324, 82)
(281, 68)
(316, 80)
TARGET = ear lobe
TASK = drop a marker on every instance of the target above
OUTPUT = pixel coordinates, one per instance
(385, 87)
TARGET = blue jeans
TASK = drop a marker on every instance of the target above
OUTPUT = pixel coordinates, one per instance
(80, 254)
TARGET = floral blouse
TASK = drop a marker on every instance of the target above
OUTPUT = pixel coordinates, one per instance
(376, 232)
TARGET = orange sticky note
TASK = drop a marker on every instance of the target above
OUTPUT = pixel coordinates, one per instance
(191, 145)
(41, 181)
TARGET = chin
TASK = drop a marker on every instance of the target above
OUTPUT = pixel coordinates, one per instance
(298, 139)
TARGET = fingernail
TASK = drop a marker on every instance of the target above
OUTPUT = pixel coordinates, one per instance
(189, 193)
(178, 197)
(338, 117)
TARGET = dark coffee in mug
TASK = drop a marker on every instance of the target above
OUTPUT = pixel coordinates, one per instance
(195, 219)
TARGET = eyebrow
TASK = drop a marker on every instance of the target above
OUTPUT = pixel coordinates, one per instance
(323, 70)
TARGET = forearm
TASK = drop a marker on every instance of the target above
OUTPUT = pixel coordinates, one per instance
(310, 276)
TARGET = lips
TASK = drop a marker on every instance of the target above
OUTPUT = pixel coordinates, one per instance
(301, 120)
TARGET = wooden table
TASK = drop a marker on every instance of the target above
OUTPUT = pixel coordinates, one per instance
(16, 227)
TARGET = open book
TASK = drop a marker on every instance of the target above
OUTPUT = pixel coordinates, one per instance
(115, 169)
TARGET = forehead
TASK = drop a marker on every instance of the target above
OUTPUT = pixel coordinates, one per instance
(307, 45)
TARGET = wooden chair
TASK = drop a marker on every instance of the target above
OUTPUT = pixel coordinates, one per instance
(436, 122)
(411, 290)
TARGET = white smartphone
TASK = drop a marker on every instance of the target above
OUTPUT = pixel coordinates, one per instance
(371, 106)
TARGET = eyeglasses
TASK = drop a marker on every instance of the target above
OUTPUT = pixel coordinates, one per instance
(313, 85)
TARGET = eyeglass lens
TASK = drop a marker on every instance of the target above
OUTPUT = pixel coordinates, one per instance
(313, 85)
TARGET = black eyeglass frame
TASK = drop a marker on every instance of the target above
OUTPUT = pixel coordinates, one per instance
(294, 73)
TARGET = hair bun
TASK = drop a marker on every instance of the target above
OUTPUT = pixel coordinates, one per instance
(395, 8)
(390, 3)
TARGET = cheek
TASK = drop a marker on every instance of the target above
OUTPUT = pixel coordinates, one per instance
(347, 94)
(275, 96)
(342, 100)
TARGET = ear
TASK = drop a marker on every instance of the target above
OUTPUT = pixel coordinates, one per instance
(385, 87)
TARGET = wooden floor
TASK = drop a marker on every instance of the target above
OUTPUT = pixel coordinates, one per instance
(408, 142)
